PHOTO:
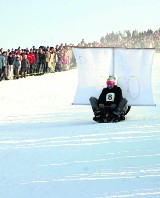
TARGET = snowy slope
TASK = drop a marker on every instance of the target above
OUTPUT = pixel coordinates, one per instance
(52, 149)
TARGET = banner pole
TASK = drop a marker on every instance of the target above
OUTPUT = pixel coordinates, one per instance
(113, 63)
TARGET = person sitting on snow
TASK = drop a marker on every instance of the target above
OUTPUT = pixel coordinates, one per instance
(110, 106)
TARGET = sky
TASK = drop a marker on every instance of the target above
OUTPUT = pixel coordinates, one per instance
(49, 22)
(50, 148)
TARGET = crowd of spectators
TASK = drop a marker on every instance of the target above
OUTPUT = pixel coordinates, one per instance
(128, 39)
(16, 63)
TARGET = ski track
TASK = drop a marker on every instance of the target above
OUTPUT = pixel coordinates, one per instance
(50, 148)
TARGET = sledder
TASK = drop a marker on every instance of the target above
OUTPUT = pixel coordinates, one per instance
(111, 106)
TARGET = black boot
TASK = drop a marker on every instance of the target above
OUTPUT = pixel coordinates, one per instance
(98, 119)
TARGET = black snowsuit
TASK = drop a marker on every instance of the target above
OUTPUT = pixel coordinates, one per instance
(110, 103)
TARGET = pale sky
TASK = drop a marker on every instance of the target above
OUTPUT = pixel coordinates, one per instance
(49, 22)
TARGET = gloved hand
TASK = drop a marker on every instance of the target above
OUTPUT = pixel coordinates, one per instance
(113, 106)
(101, 106)
(117, 113)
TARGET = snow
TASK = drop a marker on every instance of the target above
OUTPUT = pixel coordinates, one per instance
(50, 148)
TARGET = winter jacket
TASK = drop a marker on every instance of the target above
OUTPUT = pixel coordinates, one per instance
(1, 61)
(64, 60)
(24, 63)
(31, 58)
(16, 64)
(42, 58)
(10, 60)
(110, 96)
(48, 56)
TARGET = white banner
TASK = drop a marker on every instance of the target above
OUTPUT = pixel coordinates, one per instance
(131, 67)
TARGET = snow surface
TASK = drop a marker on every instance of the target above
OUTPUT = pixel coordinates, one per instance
(50, 148)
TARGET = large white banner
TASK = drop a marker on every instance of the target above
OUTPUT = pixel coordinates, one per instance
(131, 67)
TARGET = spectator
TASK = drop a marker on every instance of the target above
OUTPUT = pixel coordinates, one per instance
(1, 64)
(24, 66)
(42, 61)
(17, 67)
(10, 61)
(31, 59)
(47, 57)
